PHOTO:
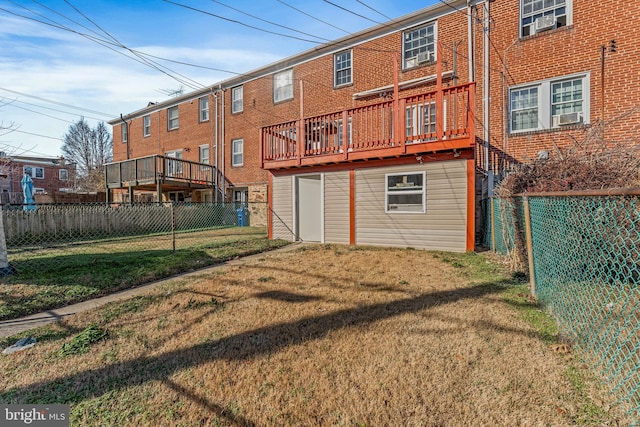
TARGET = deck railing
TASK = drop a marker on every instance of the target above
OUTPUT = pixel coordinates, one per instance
(156, 168)
(383, 128)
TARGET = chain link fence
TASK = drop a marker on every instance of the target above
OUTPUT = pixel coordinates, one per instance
(38, 237)
(585, 253)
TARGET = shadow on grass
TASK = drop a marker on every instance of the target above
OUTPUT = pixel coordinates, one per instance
(239, 347)
(67, 279)
(286, 296)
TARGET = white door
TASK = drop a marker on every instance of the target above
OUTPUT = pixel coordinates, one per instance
(309, 207)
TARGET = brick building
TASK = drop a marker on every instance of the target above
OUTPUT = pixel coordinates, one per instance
(49, 175)
(393, 134)
(559, 69)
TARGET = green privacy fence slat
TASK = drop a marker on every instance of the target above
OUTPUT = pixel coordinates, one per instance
(586, 252)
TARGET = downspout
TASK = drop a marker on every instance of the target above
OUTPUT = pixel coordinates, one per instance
(224, 179)
(486, 95)
(470, 39)
(125, 124)
(217, 118)
(211, 138)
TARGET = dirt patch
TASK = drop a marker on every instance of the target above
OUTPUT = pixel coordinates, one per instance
(325, 335)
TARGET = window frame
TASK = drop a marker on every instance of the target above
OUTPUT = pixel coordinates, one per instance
(176, 118)
(527, 19)
(287, 93)
(412, 61)
(146, 126)
(60, 173)
(124, 132)
(529, 107)
(234, 152)
(235, 100)
(243, 192)
(336, 70)
(34, 171)
(422, 191)
(544, 103)
(201, 158)
(174, 163)
(203, 109)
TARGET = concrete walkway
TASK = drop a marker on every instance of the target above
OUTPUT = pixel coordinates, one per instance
(15, 326)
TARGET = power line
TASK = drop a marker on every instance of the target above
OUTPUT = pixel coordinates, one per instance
(52, 109)
(150, 63)
(36, 134)
(105, 43)
(376, 11)
(269, 22)
(58, 103)
(41, 114)
(240, 23)
(312, 17)
(352, 12)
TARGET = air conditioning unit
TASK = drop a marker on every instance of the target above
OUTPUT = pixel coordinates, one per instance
(566, 119)
(424, 57)
(543, 23)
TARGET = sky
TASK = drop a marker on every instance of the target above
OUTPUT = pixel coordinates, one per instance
(63, 60)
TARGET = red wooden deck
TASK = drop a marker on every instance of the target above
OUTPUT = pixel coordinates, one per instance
(433, 121)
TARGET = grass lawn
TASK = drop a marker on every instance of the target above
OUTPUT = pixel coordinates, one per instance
(56, 277)
(319, 336)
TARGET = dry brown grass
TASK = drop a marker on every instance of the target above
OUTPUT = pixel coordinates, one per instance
(316, 337)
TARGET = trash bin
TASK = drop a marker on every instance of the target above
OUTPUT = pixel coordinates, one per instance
(243, 217)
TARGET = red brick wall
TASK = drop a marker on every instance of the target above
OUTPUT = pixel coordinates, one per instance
(565, 51)
(190, 134)
(514, 61)
(50, 183)
(372, 63)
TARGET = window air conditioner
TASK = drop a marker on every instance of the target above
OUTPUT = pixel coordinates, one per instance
(424, 57)
(566, 119)
(543, 23)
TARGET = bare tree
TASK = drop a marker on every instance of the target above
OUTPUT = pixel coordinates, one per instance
(90, 149)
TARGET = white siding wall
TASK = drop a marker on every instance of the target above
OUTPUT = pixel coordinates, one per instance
(441, 227)
(336, 207)
(282, 204)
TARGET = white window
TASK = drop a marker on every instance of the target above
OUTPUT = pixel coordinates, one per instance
(173, 164)
(524, 109)
(237, 99)
(406, 192)
(339, 138)
(566, 97)
(63, 174)
(237, 155)
(420, 120)
(172, 117)
(541, 15)
(549, 104)
(34, 171)
(342, 68)
(283, 86)
(146, 126)
(419, 46)
(240, 196)
(125, 132)
(204, 108)
(204, 154)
